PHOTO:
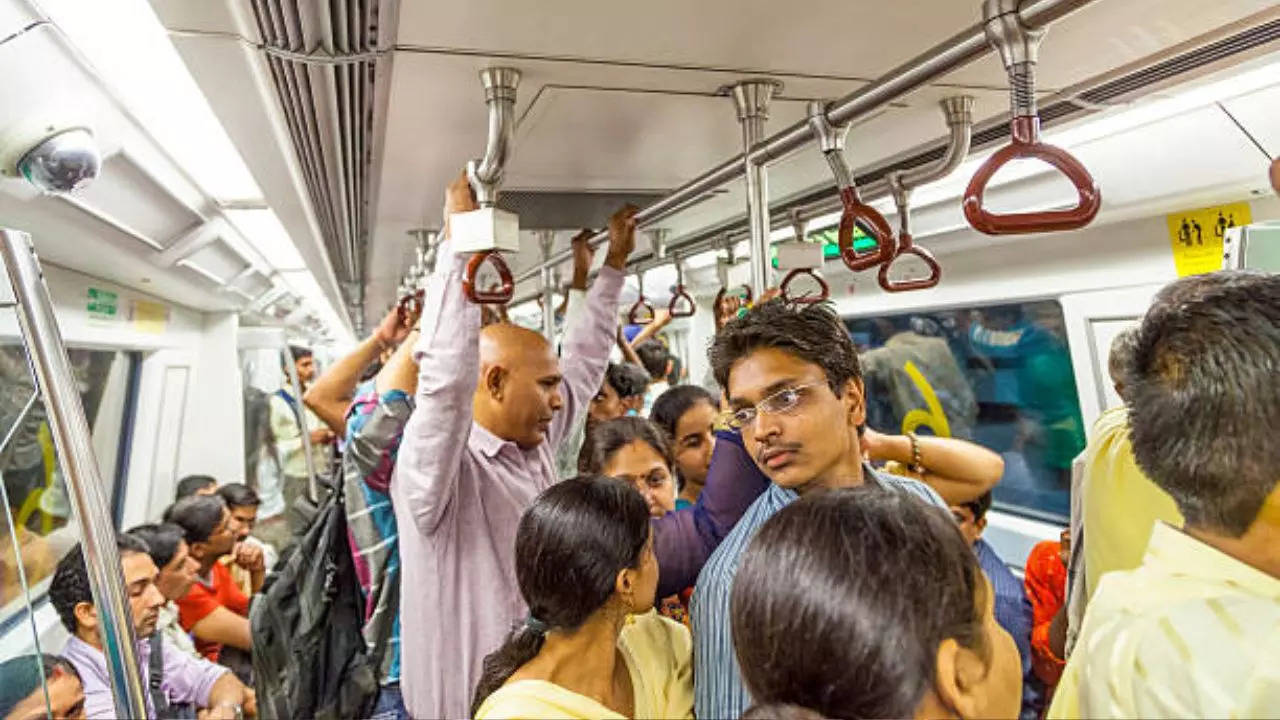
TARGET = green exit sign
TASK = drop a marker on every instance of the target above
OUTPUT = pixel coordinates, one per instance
(862, 243)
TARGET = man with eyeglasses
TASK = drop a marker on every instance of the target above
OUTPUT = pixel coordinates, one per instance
(794, 386)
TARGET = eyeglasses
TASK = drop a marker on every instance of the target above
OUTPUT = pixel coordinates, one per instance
(783, 401)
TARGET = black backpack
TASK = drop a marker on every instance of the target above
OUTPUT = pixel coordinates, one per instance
(309, 657)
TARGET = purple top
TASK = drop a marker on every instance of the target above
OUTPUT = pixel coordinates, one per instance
(186, 679)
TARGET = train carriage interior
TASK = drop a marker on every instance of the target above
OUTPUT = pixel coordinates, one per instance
(189, 191)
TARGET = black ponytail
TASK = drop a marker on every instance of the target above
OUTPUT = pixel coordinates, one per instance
(570, 546)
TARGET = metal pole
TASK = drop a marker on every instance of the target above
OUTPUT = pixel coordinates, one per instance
(955, 52)
(48, 358)
(291, 369)
(751, 100)
(546, 239)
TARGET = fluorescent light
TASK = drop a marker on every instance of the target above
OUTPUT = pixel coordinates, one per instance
(129, 48)
(264, 231)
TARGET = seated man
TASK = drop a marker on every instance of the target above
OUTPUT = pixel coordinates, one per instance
(214, 609)
(794, 386)
(184, 680)
(32, 686)
(168, 550)
(1012, 608)
(1194, 630)
(249, 552)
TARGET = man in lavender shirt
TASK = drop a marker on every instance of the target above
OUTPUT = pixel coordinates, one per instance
(491, 409)
(185, 680)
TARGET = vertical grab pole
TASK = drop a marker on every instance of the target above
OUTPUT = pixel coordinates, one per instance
(48, 358)
(291, 369)
(751, 99)
(547, 238)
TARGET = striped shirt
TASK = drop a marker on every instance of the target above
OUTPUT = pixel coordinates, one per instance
(1013, 612)
(374, 427)
(718, 688)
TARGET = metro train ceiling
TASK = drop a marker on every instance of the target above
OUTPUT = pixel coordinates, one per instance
(618, 99)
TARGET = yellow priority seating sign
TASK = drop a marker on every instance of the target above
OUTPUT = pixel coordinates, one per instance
(1196, 236)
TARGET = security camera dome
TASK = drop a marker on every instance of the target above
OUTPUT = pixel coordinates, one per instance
(62, 162)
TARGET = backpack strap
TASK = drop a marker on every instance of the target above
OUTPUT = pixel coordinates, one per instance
(155, 676)
(293, 404)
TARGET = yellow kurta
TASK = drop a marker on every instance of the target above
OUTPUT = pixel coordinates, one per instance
(1193, 632)
(1121, 504)
(659, 655)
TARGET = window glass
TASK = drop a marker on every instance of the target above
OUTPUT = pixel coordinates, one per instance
(38, 528)
(999, 375)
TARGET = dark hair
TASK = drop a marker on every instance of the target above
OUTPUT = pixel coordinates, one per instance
(674, 403)
(70, 584)
(606, 438)
(239, 495)
(570, 546)
(192, 484)
(813, 333)
(979, 505)
(1205, 400)
(842, 600)
(162, 541)
(626, 379)
(198, 516)
(654, 356)
(20, 677)
(1120, 358)
(298, 352)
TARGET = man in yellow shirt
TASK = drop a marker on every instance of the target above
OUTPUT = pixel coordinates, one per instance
(1194, 631)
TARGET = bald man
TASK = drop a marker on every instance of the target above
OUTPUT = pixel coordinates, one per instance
(491, 408)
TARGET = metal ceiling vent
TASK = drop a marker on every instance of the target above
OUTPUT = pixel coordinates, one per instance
(331, 68)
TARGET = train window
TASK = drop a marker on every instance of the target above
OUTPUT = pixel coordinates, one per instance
(999, 375)
(39, 527)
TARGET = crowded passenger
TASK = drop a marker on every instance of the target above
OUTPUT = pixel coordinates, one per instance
(195, 485)
(1194, 630)
(36, 687)
(687, 414)
(177, 573)
(183, 684)
(657, 362)
(242, 502)
(288, 417)
(1045, 580)
(859, 603)
(1012, 607)
(591, 646)
(214, 610)
(793, 383)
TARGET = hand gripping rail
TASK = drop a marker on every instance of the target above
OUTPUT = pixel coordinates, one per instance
(641, 305)
(959, 116)
(831, 141)
(824, 290)
(681, 294)
(485, 177)
(1019, 47)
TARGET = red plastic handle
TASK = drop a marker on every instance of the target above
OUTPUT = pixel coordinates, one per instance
(855, 210)
(807, 298)
(679, 295)
(410, 306)
(907, 247)
(641, 304)
(747, 295)
(503, 294)
(1026, 144)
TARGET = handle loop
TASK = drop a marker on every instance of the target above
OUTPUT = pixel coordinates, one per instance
(505, 290)
(746, 295)
(681, 294)
(641, 304)
(410, 306)
(855, 210)
(906, 245)
(824, 291)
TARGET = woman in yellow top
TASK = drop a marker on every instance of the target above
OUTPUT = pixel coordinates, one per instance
(592, 646)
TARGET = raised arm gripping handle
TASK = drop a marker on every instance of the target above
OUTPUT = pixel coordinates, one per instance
(503, 294)
(854, 211)
(410, 306)
(824, 291)
(681, 294)
(1026, 144)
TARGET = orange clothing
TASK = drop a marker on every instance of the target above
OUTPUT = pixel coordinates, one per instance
(203, 598)
(1045, 580)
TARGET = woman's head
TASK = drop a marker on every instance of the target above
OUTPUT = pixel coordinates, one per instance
(687, 413)
(582, 548)
(867, 603)
(635, 450)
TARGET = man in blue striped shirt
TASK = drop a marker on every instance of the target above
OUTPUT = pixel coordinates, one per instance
(795, 389)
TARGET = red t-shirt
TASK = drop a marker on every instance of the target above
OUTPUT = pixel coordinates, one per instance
(203, 599)
(1045, 580)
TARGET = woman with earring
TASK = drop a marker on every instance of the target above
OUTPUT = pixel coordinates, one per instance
(592, 647)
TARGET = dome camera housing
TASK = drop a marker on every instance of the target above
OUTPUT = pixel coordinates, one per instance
(55, 159)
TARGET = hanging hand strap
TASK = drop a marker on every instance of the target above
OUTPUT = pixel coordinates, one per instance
(824, 291)
(502, 295)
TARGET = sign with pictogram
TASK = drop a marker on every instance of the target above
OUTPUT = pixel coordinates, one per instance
(1196, 236)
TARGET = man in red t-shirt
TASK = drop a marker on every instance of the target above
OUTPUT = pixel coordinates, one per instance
(215, 610)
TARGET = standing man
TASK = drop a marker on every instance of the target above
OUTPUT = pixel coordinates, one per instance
(288, 418)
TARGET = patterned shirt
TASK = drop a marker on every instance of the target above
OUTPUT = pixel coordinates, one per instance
(1013, 611)
(374, 427)
(718, 688)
